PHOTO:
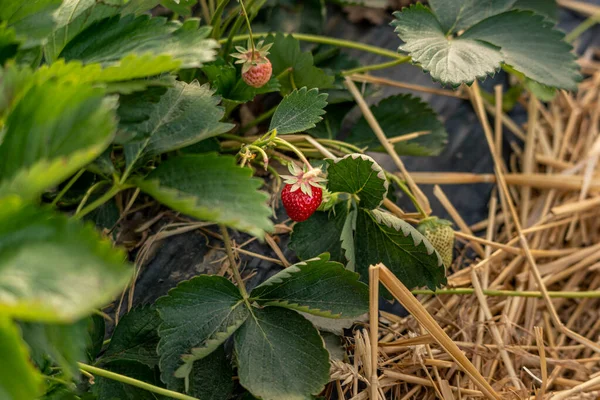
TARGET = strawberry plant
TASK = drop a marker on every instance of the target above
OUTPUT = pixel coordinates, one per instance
(109, 105)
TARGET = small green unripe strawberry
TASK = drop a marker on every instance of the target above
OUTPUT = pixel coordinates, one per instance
(441, 235)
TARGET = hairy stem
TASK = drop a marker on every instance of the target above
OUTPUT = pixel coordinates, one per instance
(376, 67)
(133, 382)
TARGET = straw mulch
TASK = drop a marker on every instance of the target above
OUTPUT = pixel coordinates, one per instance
(526, 311)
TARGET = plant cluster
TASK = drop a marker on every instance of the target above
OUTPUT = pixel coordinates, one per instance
(104, 98)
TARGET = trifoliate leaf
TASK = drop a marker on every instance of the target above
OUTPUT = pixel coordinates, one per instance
(32, 20)
(299, 111)
(15, 363)
(280, 355)
(212, 188)
(383, 238)
(109, 40)
(63, 344)
(316, 286)
(135, 338)
(398, 116)
(286, 54)
(198, 316)
(358, 174)
(36, 243)
(184, 115)
(55, 129)
(320, 233)
(521, 39)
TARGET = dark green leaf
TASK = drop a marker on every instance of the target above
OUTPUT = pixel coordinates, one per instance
(383, 238)
(280, 355)
(299, 111)
(316, 286)
(398, 116)
(347, 239)
(109, 40)
(320, 233)
(32, 20)
(458, 15)
(213, 188)
(184, 115)
(135, 338)
(54, 130)
(212, 377)
(521, 39)
(95, 329)
(230, 85)
(547, 8)
(34, 245)
(358, 174)
(18, 378)
(9, 44)
(286, 54)
(63, 344)
(198, 316)
(331, 124)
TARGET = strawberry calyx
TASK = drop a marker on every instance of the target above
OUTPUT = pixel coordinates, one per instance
(304, 179)
(252, 56)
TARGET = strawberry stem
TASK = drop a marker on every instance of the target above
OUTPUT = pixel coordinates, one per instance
(249, 27)
(234, 267)
(293, 148)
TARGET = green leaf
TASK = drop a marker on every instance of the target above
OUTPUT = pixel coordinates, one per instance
(320, 233)
(212, 188)
(109, 389)
(95, 329)
(383, 238)
(347, 238)
(109, 40)
(331, 124)
(316, 286)
(32, 20)
(181, 7)
(9, 44)
(34, 245)
(398, 116)
(184, 115)
(358, 174)
(63, 344)
(135, 338)
(53, 131)
(280, 355)
(458, 15)
(198, 316)
(212, 377)
(286, 54)
(521, 39)
(299, 111)
(19, 380)
(547, 8)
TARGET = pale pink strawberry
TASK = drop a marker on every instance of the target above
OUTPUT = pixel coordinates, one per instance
(256, 69)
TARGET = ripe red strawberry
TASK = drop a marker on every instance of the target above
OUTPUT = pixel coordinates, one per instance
(303, 192)
(298, 205)
(257, 68)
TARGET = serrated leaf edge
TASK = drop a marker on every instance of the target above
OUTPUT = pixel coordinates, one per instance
(374, 166)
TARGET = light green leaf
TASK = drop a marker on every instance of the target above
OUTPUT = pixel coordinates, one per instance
(347, 238)
(109, 40)
(198, 316)
(358, 174)
(54, 130)
(135, 338)
(286, 54)
(521, 39)
(32, 20)
(383, 238)
(530, 45)
(320, 233)
(63, 344)
(280, 355)
(212, 188)
(316, 286)
(299, 111)
(184, 115)
(457, 15)
(15, 364)
(448, 61)
(34, 245)
(181, 7)
(398, 116)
